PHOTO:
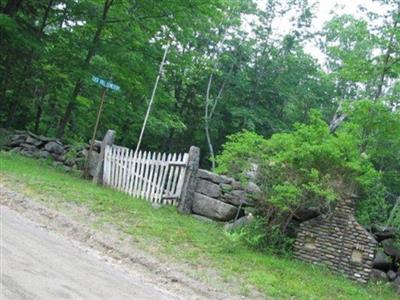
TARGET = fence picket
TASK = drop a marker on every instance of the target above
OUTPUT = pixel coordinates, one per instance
(157, 177)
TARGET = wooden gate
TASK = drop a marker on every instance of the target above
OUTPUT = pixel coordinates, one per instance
(152, 176)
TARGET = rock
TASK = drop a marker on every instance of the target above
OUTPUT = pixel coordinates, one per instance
(252, 172)
(54, 147)
(239, 223)
(391, 275)
(235, 197)
(45, 139)
(226, 188)
(60, 158)
(390, 247)
(57, 164)
(26, 153)
(204, 174)
(204, 219)
(28, 147)
(385, 233)
(396, 285)
(253, 188)
(378, 275)
(208, 188)
(382, 261)
(212, 208)
(292, 228)
(305, 214)
(16, 142)
(15, 150)
(32, 141)
(94, 160)
(44, 154)
(236, 185)
(16, 137)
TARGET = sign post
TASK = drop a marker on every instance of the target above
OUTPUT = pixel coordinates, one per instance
(106, 85)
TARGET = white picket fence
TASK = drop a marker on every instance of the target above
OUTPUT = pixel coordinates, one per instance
(156, 177)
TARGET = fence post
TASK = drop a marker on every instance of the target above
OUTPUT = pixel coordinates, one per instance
(107, 140)
(189, 184)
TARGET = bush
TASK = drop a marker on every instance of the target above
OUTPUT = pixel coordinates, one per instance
(308, 167)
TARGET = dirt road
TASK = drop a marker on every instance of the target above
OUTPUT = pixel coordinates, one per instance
(38, 264)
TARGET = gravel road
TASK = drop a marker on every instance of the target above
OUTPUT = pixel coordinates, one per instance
(38, 264)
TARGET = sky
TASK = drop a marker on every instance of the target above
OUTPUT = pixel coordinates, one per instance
(322, 13)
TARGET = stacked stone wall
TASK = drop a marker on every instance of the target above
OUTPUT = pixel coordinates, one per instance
(339, 242)
(221, 198)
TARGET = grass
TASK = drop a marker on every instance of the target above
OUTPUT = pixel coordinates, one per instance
(186, 239)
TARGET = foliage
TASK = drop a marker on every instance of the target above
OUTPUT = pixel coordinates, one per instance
(307, 168)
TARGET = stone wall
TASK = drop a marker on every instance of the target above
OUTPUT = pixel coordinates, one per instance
(338, 241)
(38, 146)
(221, 198)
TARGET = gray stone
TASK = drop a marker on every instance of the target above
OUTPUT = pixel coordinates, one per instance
(384, 233)
(305, 214)
(252, 188)
(226, 187)
(203, 219)
(54, 147)
(33, 141)
(378, 276)
(190, 181)
(396, 285)
(57, 164)
(212, 208)
(26, 153)
(94, 160)
(44, 154)
(391, 275)
(28, 147)
(15, 143)
(15, 150)
(208, 188)
(390, 247)
(239, 223)
(16, 137)
(382, 261)
(235, 197)
(252, 172)
(208, 175)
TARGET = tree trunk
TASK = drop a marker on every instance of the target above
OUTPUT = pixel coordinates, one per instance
(79, 83)
(12, 7)
(389, 51)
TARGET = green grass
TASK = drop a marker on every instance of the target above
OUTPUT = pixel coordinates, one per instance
(186, 239)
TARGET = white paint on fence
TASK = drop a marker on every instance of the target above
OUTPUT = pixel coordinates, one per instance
(153, 176)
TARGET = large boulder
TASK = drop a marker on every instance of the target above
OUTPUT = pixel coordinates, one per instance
(378, 276)
(243, 221)
(384, 233)
(212, 208)
(54, 147)
(391, 275)
(208, 175)
(396, 285)
(382, 261)
(208, 188)
(390, 247)
(305, 214)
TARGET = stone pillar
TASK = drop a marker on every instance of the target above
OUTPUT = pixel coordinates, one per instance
(190, 182)
(107, 141)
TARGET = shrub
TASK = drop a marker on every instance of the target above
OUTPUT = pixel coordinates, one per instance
(308, 167)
